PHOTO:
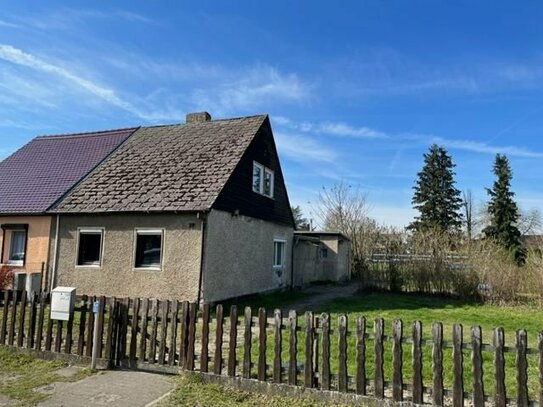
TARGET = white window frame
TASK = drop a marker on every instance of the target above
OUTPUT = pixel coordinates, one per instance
(93, 231)
(283, 254)
(17, 263)
(148, 232)
(263, 171)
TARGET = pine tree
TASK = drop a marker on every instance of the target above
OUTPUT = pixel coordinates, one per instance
(436, 197)
(502, 209)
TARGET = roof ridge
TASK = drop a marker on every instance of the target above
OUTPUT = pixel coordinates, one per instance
(85, 133)
(263, 115)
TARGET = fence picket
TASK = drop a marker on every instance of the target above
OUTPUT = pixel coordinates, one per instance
(540, 348)
(458, 371)
(49, 333)
(478, 399)
(13, 317)
(233, 341)
(173, 332)
(361, 356)
(31, 321)
(247, 343)
(522, 368)
(193, 309)
(143, 335)
(183, 342)
(151, 351)
(68, 342)
(58, 336)
(437, 364)
(397, 378)
(379, 379)
(111, 325)
(165, 309)
(82, 320)
(41, 313)
(217, 362)
(204, 358)
(416, 354)
(262, 322)
(21, 326)
(278, 340)
(309, 374)
(3, 325)
(90, 329)
(498, 341)
(134, 332)
(293, 344)
(325, 380)
(342, 357)
(100, 325)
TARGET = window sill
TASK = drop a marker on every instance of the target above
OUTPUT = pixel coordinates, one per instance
(88, 266)
(15, 263)
(147, 269)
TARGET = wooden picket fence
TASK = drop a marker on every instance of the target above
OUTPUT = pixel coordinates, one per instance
(309, 350)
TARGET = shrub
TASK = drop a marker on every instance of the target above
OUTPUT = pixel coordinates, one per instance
(6, 276)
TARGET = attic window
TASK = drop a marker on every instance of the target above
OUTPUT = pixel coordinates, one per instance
(263, 180)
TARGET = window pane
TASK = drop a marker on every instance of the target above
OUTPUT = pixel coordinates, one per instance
(257, 178)
(148, 250)
(279, 248)
(90, 245)
(268, 182)
(17, 245)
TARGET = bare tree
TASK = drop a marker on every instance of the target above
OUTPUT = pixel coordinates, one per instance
(529, 222)
(467, 206)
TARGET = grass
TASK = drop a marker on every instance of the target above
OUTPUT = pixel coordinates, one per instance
(20, 374)
(192, 391)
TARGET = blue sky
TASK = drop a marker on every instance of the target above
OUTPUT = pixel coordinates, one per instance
(356, 90)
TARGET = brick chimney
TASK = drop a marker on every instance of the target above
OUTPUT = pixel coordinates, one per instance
(198, 117)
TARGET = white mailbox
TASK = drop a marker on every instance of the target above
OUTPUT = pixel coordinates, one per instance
(62, 303)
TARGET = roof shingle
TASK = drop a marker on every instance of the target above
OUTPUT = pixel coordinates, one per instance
(165, 168)
(37, 175)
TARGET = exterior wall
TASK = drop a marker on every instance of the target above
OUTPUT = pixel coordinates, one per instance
(37, 240)
(308, 264)
(344, 260)
(178, 279)
(238, 258)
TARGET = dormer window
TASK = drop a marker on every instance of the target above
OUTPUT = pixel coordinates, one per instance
(263, 180)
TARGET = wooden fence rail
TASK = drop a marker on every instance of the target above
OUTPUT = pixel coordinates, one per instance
(387, 361)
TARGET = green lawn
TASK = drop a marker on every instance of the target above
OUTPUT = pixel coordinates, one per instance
(20, 374)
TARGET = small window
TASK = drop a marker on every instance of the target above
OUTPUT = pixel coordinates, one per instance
(149, 249)
(89, 251)
(279, 253)
(17, 247)
(324, 253)
(263, 180)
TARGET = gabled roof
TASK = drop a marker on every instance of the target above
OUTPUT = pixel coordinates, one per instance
(41, 172)
(166, 168)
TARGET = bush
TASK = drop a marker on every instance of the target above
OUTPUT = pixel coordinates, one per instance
(6, 276)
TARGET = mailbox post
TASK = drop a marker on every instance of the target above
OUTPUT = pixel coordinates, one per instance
(95, 338)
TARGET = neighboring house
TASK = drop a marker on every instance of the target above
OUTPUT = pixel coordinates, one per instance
(196, 211)
(321, 256)
(32, 179)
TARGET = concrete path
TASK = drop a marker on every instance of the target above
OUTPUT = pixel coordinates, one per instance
(321, 294)
(112, 388)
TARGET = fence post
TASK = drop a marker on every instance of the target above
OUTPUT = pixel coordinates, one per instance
(193, 309)
(278, 322)
(379, 379)
(325, 380)
(217, 364)
(90, 329)
(361, 356)
(540, 346)
(204, 357)
(184, 333)
(458, 371)
(262, 323)
(233, 341)
(397, 379)
(309, 375)
(477, 367)
(437, 364)
(500, 398)
(416, 353)
(248, 321)
(293, 341)
(522, 368)
(342, 357)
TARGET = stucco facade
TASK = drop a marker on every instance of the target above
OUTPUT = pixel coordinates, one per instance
(178, 277)
(239, 256)
(37, 244)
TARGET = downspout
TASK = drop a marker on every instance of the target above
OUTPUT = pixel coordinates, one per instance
(202, 216)
(55, 252)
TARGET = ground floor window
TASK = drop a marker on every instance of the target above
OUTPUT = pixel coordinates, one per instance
(279, 253)
(17, 247)
(148, 251)
(89, 247)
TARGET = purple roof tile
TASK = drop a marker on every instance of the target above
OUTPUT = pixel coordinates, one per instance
(37, 175)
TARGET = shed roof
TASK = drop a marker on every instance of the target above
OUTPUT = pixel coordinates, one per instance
(34, 177)
(170, 168)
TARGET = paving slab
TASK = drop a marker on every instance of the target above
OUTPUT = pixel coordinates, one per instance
(113, 388)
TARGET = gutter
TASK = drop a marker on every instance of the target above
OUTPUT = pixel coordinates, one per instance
(55, 253)
(203, 217)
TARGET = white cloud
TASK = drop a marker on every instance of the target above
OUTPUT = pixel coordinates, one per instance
(481, 147)
(339, 129)
(303, 149)
(4, 23)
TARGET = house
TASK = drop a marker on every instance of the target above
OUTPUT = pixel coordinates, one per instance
(32, 180)
(194, 211)
(321, 256)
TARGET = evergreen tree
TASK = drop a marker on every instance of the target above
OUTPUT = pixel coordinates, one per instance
(300, 220)
(502, 209)
(436, 197)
